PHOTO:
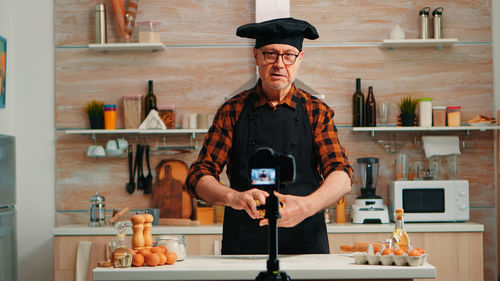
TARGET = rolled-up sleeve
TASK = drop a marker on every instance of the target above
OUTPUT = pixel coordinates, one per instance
(332, 156)
(214, 153)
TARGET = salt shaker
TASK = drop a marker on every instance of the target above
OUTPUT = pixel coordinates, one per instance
(424, 22)
(437, 19)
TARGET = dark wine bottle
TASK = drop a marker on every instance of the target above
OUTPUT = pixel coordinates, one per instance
(371, 109)
(358, 106)
(149, 100)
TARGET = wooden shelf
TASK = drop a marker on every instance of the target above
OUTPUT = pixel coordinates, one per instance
(135, 131)
(467, 129)
(417, 43)
(153, 47)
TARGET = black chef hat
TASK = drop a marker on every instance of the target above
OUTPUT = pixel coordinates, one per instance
(288, 31)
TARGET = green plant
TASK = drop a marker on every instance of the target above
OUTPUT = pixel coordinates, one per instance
(408, 105)
(94, 108)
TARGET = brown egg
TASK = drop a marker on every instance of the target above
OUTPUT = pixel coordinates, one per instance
(171, 257)
(163, 258)
(156, 250)
(138, 260)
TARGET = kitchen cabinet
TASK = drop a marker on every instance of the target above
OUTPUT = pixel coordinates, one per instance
(455, 249)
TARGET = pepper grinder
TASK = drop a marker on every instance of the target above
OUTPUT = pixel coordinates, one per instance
(138, 229)
(148, 225)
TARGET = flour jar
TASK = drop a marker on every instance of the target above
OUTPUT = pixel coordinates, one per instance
(425, 112)
(174, 243)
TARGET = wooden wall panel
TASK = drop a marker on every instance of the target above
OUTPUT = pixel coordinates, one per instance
(192, 79)
(460, 75)
(372, 20)
(182, 22)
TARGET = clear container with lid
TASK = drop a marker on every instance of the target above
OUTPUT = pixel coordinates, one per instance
(453, 115)
(425, 112)
(149, 31)
(439, 116)
(174, 243)
(132, 109)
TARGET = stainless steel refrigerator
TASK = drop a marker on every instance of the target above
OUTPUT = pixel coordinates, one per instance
(8, 228)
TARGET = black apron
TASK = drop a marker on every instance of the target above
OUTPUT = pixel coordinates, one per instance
(286, 130)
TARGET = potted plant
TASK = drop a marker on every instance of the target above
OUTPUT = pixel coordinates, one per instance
(407, 106)
(95, 111)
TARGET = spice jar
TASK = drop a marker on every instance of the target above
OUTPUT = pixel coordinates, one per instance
(425, 112)
(167, 114)
(110, 116)
(132, 110)
(439, 116)
(453, 115)
(174, 243)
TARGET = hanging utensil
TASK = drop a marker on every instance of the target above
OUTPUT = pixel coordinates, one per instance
(141, 179)
(131, 184)
(138, 166)
(148, 185)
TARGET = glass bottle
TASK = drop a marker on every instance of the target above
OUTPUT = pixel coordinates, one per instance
(371, 109)
(358, 106)
(399, 236)
(149, 100)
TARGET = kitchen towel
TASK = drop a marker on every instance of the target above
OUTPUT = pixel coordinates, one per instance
(440, 145)
(97, 253)
(82, 260)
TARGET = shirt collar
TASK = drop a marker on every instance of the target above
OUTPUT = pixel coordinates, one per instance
(262, 98)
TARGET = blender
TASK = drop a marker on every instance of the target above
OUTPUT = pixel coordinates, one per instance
(368, 207)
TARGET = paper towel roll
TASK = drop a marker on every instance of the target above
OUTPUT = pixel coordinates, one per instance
(441, 145)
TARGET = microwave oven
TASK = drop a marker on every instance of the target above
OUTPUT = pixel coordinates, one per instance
(430, 200)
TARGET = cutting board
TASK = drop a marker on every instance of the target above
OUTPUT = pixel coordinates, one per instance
(170, 193)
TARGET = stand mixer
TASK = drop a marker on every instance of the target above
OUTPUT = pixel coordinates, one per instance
(368, 207)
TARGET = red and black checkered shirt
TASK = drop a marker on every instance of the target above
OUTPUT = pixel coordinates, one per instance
(219, 138)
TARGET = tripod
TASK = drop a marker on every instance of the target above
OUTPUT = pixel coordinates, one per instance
(273, 264)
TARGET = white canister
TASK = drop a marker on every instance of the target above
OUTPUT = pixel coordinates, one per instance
(425, 112)
(173, 243)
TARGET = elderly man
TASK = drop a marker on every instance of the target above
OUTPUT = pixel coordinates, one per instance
(274, 114)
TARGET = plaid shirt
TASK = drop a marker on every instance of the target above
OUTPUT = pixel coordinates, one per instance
(219, 138)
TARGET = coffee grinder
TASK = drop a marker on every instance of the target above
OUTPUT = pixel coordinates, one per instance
(368, 207)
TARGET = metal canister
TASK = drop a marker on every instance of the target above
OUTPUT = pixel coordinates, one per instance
(424, 22)
(97, 210)
(100, 24)
(437, 19)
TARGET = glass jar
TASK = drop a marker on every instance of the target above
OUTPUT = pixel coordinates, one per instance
(174, 243)
(453, 115)
(132, 110)
(149, 31)
(425, 112)
(439, 116)
(167, 114)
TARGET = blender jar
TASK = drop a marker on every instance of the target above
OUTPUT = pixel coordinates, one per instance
(368, 168)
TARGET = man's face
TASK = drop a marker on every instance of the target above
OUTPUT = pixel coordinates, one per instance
(277, 75)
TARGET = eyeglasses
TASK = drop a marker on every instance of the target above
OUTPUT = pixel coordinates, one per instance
(272, 57)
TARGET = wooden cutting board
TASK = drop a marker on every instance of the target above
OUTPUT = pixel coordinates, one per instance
(170, 193)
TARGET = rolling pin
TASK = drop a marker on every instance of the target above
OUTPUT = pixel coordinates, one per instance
(118, 214)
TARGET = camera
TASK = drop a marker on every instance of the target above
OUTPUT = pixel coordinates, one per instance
(269, 168)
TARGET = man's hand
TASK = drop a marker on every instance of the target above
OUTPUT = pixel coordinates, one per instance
(246, 201)
(295, 210)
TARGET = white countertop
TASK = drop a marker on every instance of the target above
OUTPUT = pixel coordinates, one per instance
(248, 267)
(81, 229)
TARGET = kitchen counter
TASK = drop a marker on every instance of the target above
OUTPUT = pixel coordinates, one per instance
(325, 267)
(81, 229)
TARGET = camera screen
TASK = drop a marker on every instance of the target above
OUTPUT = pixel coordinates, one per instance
(263, 176)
